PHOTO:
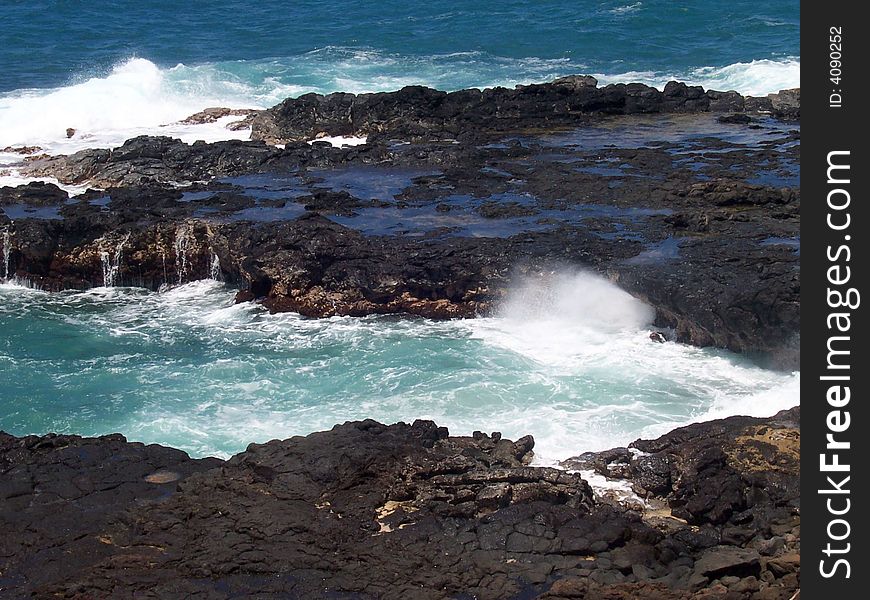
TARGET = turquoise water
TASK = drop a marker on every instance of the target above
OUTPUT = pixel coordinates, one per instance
(189, 368)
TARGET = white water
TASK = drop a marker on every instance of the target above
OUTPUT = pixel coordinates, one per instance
(111, 262)
(578, 325)
(184, 238)
(756, 78)
(215, 268)
(137, 97)
(569, 362)
(7, 252)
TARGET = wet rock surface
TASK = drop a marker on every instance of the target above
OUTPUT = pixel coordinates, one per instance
(454, 198)
(373, 511)
(416, 112)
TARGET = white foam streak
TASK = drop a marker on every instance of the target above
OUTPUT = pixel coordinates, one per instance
(339, 141)
(626, 9)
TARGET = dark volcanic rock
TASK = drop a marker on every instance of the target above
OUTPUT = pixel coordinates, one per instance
(34, 194)
(736, 118)
(417, 112)
(147, 159)
(703, 225)
(737, 470)
(213, 114)
(369, 511)
(58, 494)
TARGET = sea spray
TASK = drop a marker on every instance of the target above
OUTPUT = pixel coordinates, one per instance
(575, 298)
(111, 262)
(211, 376)
(569, 320)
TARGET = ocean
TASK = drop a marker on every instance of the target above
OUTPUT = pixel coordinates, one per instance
(112, 70)
(189, 368)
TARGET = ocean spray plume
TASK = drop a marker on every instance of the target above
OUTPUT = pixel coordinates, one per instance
(136, 97)
(570, 320)
(576, 298)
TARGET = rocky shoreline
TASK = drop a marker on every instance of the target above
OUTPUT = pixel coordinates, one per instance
(405, 511)
(688, 199)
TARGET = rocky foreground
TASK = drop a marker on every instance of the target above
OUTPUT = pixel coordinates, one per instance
(404, 511)
(688, 199)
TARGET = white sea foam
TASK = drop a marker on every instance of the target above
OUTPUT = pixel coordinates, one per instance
(137, 97)
(13, 178)
(569, 362)
(626, 9)
(340, 141)
(755, 78)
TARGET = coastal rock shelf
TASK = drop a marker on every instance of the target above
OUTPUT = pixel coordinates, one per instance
(688, 199)
(417, 112)
(405, 511)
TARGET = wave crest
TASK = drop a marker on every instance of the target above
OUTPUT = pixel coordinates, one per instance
(138, 97)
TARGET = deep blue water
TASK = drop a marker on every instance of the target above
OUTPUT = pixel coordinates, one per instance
(47, 43)
(113, 70)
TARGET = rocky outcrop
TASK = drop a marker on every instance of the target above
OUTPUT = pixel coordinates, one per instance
(148, 159)
(370, 511)
(698, 217)
(417, 112)
(216, 113)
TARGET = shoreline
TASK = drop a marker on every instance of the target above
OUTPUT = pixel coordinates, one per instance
(510, 529)
(511, 202)
(690, 202)
(526, 354)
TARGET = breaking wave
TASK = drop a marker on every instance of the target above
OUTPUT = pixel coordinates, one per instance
(139, 97)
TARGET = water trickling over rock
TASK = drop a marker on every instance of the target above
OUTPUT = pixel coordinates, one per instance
(215, 268)
(111, 263)
(7, 252)
(184, 240)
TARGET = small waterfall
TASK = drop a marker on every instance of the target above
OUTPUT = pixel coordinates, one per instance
(184, 240)
(112, 263)
(7, 252)
(215, 269)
